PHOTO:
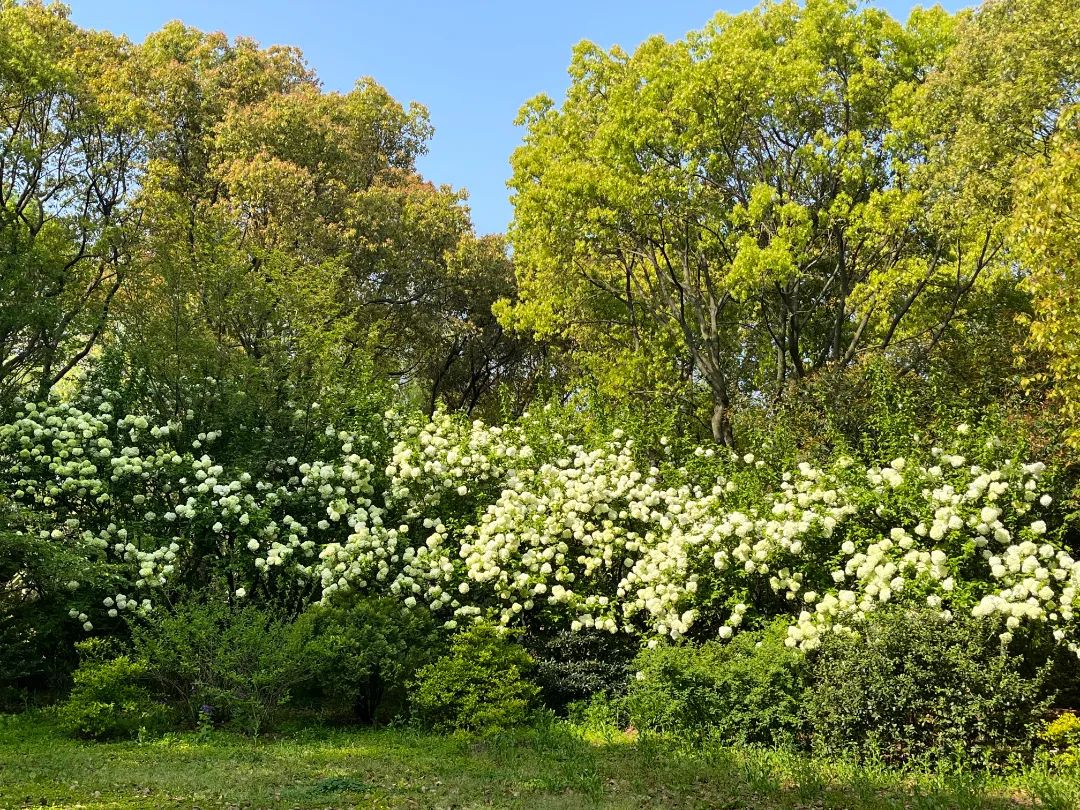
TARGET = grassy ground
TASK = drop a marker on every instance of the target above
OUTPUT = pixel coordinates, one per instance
(551, 768)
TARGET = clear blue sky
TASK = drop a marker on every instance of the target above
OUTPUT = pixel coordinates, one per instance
(472, 63)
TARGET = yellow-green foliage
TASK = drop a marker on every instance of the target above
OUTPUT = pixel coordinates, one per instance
(1062, 739)
(753, 188)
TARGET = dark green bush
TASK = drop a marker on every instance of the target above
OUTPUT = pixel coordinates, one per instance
(241, 663)
(747, 690)
(575, 666)
(37, 634)
(111, 699)
(918, 688)
(482, 685)
(362, 654)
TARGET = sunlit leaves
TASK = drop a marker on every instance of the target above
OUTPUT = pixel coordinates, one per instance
(746, 187)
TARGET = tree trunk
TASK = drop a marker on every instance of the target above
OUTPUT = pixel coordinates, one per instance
(722, 430)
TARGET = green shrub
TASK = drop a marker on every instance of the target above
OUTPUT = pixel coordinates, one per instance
(747, 690)
(574, 666)
(481, 685)
(600, 714)
(362, 654)
(37, 634)
(915, 687)
(111, 699)
(242, 663)
(1061, 738)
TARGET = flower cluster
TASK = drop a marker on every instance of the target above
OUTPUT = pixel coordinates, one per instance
(473, 520)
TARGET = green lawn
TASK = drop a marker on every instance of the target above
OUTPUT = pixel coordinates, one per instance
(550, 768)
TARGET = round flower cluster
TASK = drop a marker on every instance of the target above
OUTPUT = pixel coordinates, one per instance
(473, 520)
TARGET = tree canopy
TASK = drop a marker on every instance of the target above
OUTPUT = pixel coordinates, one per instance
(722, 227)
(763, 199)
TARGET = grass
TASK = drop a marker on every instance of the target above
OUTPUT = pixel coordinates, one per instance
(552, 767)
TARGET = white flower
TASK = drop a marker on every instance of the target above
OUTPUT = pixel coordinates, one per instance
(240, 593)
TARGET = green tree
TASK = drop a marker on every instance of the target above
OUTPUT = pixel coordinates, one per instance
(292, 252)
(747, 191)
(176, 341)
(1002, 134)
(70, 150)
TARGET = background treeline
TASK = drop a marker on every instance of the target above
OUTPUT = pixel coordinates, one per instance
(197, 218)
(726, 229)
(787, 312)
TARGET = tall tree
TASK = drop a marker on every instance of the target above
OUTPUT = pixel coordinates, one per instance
(291, 250)
(1001, 125)
(748, 188)
(70, 150)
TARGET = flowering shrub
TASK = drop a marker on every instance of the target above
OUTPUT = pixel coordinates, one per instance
(36, 633)
(526, 526)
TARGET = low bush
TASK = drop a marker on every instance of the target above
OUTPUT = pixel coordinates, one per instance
(242, 663)
(111, 699)
(38, 578)
(481, 685)
(363, 652)
(575, 666)
(1061, 740)
(747, 690)
(601, 714)
(913, 687)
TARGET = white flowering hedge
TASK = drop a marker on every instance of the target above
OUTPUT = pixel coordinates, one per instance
(520, 524)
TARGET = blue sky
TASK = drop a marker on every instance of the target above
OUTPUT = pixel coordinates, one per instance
(472, 63)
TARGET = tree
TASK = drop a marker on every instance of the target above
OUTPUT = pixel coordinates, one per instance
(1048, 231)
(748, 189)
(172, 334)
(409, 285)
(473, 355)
(291, 252)
(1001, 127)
(70, 150)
